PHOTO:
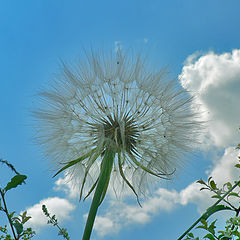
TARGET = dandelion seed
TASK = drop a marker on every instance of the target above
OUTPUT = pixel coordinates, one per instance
(112, 104)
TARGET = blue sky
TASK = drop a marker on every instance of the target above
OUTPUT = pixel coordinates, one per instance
(34, 35)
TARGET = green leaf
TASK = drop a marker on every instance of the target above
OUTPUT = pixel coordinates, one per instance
(209, 236)
(73, 162)
(201, 181)
(215, 196)
(233, 194)
(19, 227)
(212, 227)
(214, 209)
(213, 185)
(228, 184)
(25, 219)
(203, 188)
(204, 224)
(11, 214)
(209, 179)
(191, 235)
(237, 165)
(15, 181)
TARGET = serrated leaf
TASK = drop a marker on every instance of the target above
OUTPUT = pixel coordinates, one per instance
(213, 185)
(209, 236)
(204, 222)
(214, 209)
(15, 181)
(212, 226)
(19, 227)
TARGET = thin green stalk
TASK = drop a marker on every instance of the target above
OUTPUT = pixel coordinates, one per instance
(205, 214)
(8, 216)
(106, 169)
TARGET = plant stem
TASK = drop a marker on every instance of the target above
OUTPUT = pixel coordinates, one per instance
(106, 169)
(204, 215)
(6, 211)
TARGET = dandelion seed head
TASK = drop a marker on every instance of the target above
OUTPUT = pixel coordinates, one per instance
(114, 100)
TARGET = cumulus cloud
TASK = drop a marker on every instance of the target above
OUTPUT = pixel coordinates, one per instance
(215, 81)
(121, 214)
(59, 206)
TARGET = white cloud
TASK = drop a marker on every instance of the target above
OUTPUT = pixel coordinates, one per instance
(55, 205)
(120, 214)
(63, 184)
(215, 80)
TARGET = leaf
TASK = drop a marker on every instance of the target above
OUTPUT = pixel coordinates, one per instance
(233, 194)
(212, 226)
(214, 209)
(213, 185)
(228, 185)
(25, 219)
(11, 214)
(237, 165)
(201, 181)
(209, 179)
(24, 214)
(202, 226)
(73, 162)
(215, 196)
(19, 227)
(205, 224)
(15, 181)
(209, 236)
(190, 235)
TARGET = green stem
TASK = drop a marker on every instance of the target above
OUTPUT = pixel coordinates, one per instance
(205, 214)
(8, 216)
(105, 173)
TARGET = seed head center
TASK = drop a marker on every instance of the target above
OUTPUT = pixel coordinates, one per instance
(122, 133)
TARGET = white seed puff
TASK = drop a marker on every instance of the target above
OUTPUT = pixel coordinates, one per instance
(115, 100)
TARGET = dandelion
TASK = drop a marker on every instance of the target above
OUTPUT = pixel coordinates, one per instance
(113, 109)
